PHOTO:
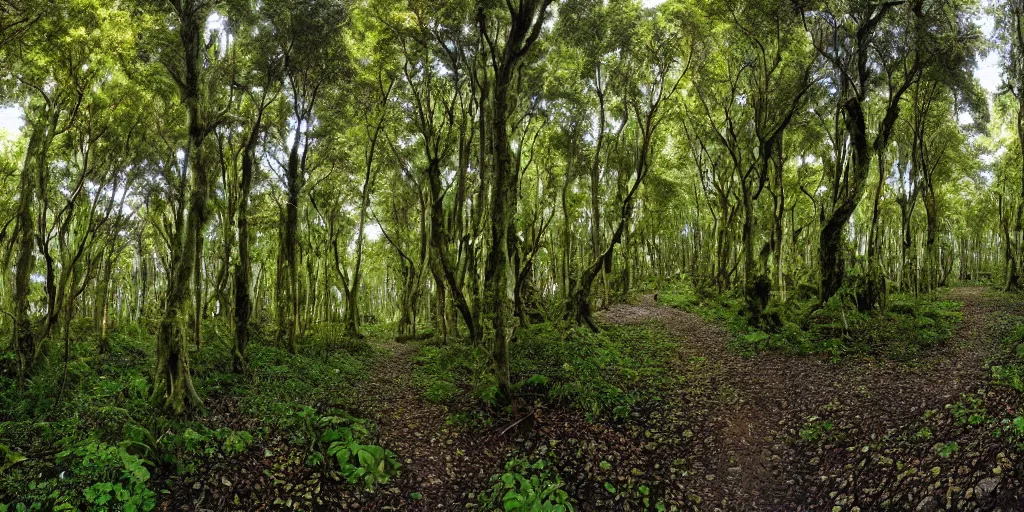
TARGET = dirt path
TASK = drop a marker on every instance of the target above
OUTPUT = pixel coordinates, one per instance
(855, 419)
(441, 464)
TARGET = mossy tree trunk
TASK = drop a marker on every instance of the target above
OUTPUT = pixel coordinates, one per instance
(173, 388)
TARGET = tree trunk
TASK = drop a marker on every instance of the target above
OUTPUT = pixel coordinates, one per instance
(931, 249)
(243, 271)
(102, 297)
(875, 292)
(351, 319)
(288, 296)
(524, 28)
(439, 244)
(578, 307)
(22, 336)
(173, 378)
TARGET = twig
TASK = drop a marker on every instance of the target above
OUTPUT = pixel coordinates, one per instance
(517, 422)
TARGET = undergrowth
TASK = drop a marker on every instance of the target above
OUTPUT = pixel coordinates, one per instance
(905, 327)
(90, 438)
(1009, 369)
(603, 374)
(526, 486)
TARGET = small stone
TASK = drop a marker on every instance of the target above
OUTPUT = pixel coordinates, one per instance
(986, 486)
(927, 504)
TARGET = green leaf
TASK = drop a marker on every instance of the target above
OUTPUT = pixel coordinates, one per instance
(947, 449)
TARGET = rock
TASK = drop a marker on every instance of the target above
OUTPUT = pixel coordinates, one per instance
(986, 486)
(927, 504)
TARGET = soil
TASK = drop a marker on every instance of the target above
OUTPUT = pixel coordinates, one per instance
(770, 432)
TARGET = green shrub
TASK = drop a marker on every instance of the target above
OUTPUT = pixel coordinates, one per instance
(184, 449)
(367, 464)
(526, 486)
(280, 381)
(600, 373)
(1010, 370)
(340, 437)
(1013, 428)
(1011, 375)
(93, 476)
(817, 429)
(325, 338)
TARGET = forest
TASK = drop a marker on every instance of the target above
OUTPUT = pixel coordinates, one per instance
(519, 255)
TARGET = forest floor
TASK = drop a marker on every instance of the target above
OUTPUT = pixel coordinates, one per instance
(774, 431)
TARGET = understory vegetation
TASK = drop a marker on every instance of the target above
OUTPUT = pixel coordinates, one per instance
(603, 374)
(1008, 369)
(86, 436)
(899, 330)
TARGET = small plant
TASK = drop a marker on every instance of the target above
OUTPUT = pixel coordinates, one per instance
(235, 442)
(1013, 428)
(945, 450)
(118, 479)
(604, 374)
(186, 450)
(340, 438)
(924, 434)
(526, 486)
(366, 463)
(970, 410)
(1011, 375)
(816, 429)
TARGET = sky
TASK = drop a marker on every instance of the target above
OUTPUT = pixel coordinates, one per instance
(10, 119)
(987, 71)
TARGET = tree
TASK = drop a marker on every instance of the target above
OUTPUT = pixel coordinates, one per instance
(660, 47)
(508, 43)
(61, 64)
(855, 39)
(189, 64)
(1009, 25)
(309, 42)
